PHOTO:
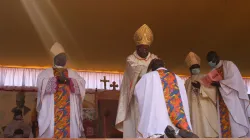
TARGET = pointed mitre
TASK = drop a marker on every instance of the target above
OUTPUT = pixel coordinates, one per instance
(192, 59)
(143, 36)
(20, 96)
(56, 49)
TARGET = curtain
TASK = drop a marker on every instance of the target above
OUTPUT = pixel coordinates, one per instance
(25, 79)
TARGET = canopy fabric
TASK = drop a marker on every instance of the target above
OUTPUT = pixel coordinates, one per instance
(98, 35)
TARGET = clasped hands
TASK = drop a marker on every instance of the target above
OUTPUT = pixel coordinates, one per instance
(196, 84)
(63, 80)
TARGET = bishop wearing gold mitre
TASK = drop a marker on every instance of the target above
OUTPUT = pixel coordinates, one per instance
(136, 66)
(202, 101)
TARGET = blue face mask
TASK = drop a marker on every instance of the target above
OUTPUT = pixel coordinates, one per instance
(195, 71)
(212, 64)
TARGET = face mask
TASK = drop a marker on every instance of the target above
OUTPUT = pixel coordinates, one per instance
(195, 71)
(212, 64)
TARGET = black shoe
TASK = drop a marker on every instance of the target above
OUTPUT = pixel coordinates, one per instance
(170, 132)
(162, 136)
(186, 134)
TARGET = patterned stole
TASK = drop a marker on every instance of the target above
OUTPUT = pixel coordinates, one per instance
(173, 100)
(224, 113)
(61, 107)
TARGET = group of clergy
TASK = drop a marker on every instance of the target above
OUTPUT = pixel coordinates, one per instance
(154, 102)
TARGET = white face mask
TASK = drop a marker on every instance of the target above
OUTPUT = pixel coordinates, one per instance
(195, 71)
(212, 64)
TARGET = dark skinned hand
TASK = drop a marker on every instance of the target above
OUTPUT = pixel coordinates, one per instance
(62, 80)
(196, 84)
(215, 84)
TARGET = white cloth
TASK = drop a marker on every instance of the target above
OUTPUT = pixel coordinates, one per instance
(202, 107)
(235, 96)
(45, 106)
(127, 113)
(154, 117)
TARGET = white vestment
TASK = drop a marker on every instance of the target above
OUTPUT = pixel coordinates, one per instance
(153, 113)
(202, 106)
(45, 105)
(235, 96)
(127, 113)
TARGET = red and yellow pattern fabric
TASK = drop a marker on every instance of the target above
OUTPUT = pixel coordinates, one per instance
(224, 113)
(61, 107)
(173, 100)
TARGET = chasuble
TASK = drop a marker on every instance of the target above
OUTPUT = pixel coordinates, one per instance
(127, 114)
(162, 101)
(59, 106)
(202, 106)
(232, 102)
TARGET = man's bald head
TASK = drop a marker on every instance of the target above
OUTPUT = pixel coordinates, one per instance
(157, 63)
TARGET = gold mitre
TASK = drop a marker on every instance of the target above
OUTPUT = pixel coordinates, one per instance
(192, 59)
(143, 36)
(56, 49)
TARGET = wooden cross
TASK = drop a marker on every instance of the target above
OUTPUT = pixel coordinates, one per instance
(114, 85)
(105, 82)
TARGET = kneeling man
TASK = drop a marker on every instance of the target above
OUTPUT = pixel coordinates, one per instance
(162, 100)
